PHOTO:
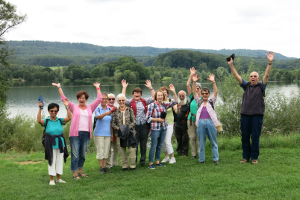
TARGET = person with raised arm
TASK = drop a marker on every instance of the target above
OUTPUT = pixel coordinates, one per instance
(192, 128)
(252, 109)
(139, 106)
(206, 119)
(54, 143)
(81, 127)
(156, 115)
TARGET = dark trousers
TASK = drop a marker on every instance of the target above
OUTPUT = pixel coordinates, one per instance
(183, 139)
(251, 126)
(142, 132)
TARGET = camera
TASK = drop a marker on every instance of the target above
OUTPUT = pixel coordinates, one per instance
(163, 115)
(232, 56)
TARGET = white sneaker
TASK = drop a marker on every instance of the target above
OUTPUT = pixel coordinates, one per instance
(52, 182)
(166, 159)
(61, 181)
(173, 160)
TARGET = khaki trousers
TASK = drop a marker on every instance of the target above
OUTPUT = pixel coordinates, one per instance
(123, 155)
(192, 131)
(113, 155)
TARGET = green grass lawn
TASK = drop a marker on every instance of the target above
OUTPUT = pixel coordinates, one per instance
(275, 177)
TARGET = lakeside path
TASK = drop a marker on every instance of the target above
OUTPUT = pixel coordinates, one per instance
(275, 177)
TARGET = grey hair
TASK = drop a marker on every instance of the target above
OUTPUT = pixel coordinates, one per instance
(182, 91)
(198, 85)
(111, 94)
(256, 73)
(120, 96)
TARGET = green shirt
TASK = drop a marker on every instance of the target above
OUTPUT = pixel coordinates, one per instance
(193, 108)
(170, 117)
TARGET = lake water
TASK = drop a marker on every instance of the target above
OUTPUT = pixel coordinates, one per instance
(22, 98)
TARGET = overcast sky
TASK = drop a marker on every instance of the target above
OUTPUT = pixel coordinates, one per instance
(220, 24)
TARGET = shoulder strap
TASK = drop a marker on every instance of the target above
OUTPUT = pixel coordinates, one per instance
(46, 124)
(211, 103)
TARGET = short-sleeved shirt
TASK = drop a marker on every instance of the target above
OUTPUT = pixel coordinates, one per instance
(170, 117)
(193, 108)
(244, 83)
(140, 110)
(54, 128)
(103, 125)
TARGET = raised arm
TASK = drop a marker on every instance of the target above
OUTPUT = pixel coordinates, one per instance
(188, 83)
(211, 78)
(234, 72)
(99, 97)
(97, 85)
(195, 79)
(172, 89)
(270, 58)
(124, 86)
(61, 93)
(69, 114)
(39, 115)
(148, 85)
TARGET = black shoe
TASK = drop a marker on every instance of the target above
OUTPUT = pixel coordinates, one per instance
(132, 169)
(124, 169)
(106, 170)
(102, 171)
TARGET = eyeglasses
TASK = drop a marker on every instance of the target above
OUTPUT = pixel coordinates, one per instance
(198, 88)
(121, 100)
(53, 111)
(181, 95)
(104, 99)
(111, 99)
(204, 93)
(253, 76)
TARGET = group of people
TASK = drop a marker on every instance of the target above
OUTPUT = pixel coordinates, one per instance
(127, 127)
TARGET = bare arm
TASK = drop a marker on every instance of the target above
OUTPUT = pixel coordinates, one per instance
(188, 83)
(39, 115)
(172, 89)
(212, 79)
(195, 79)
(234, 72)
(124, 86)
(60, 91)
(148, 85)
(97, 85)
(69, 114)
(270, 58)
(103, 115)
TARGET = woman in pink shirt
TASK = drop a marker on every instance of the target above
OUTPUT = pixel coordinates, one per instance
(81, 127)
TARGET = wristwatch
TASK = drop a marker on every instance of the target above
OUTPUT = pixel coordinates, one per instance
(67, 108)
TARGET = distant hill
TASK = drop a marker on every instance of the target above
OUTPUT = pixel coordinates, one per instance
(39, 48)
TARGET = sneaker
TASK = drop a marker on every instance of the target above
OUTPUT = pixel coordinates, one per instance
(106, 170)
(160, 165)
(243, 161)
(216, 162)
(60, 181)
(173, 160)
(52, 182)
(151, 166)
(102, 170)
(166, 159)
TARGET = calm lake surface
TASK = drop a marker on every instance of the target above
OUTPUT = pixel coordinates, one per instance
(22, 98)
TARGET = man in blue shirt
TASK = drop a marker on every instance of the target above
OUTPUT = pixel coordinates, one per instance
(252, 109)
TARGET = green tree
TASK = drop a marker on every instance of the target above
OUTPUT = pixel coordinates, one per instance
(157, 76)
(202, 66)
(167, 61)
(174, 76)
(179, 75)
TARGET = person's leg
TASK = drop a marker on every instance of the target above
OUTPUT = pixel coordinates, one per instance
(212, 136)
(201, 131)
(255, 134)
(74, 144)
(97, 140)
(84, 138)
(154, 139)
(144, 132)
(109, 162)
(132, 157)
(167, 145)
(185, 142)
(192, 131)
(51, 168)
(137, 137)
(160, 142)
(123, 155)
(179, 140)
(115, 149)
(246, 122)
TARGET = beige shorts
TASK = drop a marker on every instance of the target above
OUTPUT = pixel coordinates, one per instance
(103, 147)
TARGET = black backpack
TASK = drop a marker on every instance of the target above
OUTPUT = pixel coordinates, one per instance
(44, 132)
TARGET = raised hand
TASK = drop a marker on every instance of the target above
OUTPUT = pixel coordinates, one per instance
(172, 88)
(270, 57)
(124, 84)
(148, 84)
(66, 102)
(230, 62)
(97, 84)
(40, 104)
(192, 71)
(56, 84)
(195, 77)
(211, 78)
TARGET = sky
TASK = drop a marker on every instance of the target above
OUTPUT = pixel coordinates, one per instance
(271, 25)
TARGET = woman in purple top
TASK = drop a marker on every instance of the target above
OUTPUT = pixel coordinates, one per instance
(81, 127)
(206, 119)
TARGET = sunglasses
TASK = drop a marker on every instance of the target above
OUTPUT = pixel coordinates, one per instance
(122, 100)
(204, 93)
(111, 99)
(53, 111)
(198, 88)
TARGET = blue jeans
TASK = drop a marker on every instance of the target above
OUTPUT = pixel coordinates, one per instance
(251, 125)
(79, 146)
(207, 127)
(157, 140)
